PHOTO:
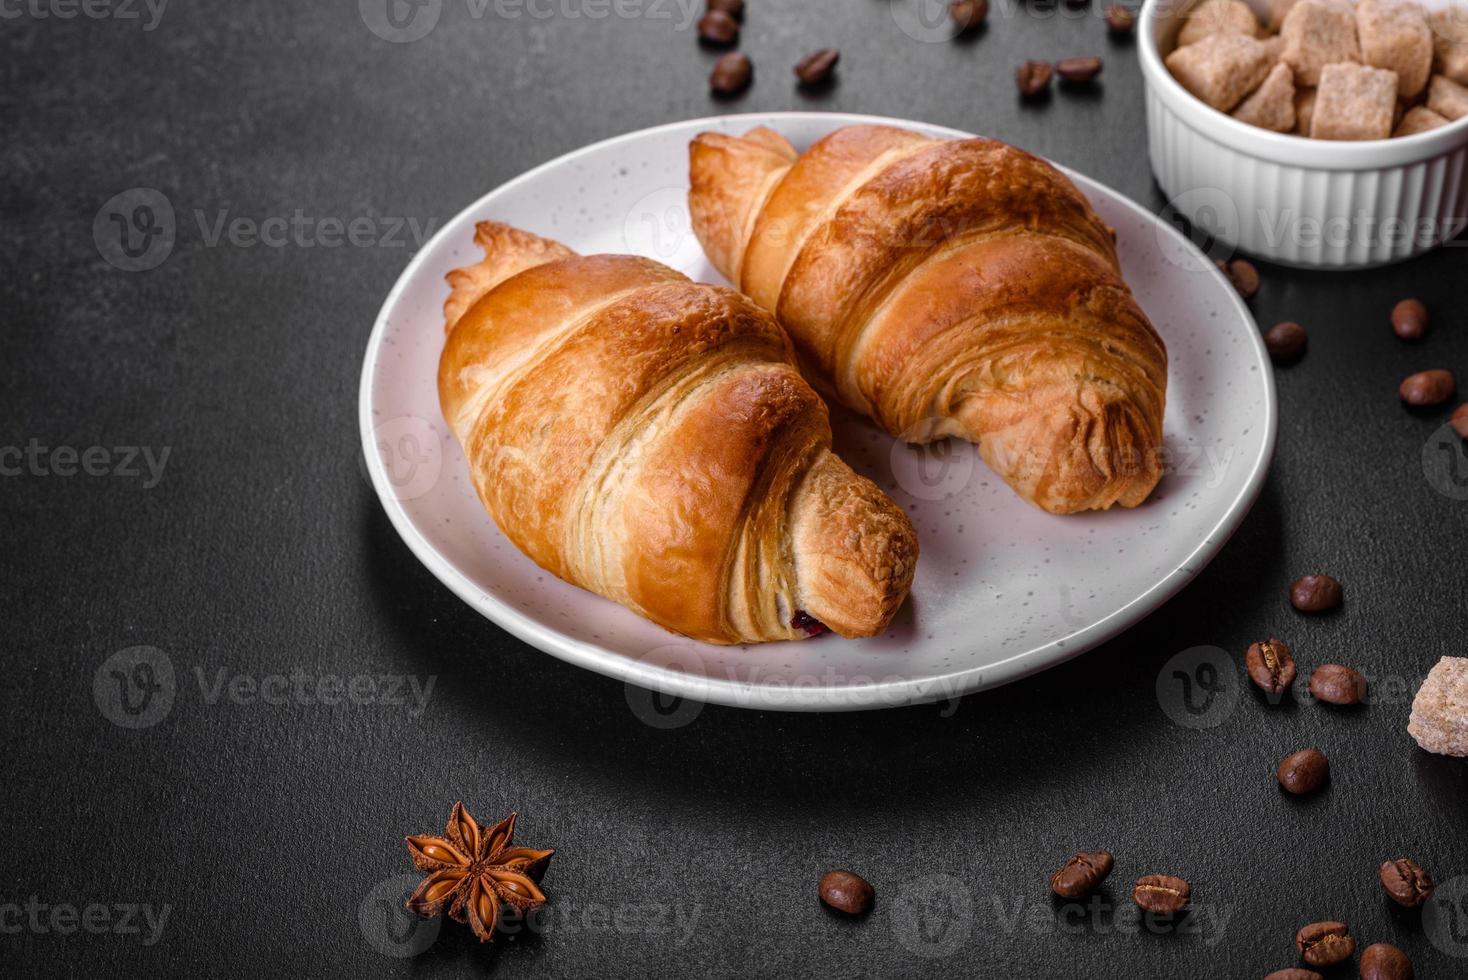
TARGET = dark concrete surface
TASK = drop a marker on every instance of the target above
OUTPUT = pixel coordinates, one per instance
(261, 829)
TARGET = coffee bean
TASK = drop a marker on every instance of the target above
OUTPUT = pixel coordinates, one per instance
(1408, 884)
(1078, 70)
(968, 14)
(1409, 319)
(817, 66)
(1243, 275)
(1032, 78)
(1325, 943)
(1270, 666)
(1120, 20)
(1161, 894)
(1081, 874)
(1315, 593)
(1304, 771)
(1383, 961)
(1285, 342)
(734, 8)
(1337, 684)
(732, 74)
(1428, 387)
(1459, 420)
(718, 28)
(1294, 973)
(846, 892)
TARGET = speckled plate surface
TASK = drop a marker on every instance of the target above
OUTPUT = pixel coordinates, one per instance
(1002, 589)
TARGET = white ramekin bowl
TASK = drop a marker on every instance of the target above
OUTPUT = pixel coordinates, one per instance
(1292, 200)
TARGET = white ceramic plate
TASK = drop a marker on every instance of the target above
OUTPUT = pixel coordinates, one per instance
(1002, 589)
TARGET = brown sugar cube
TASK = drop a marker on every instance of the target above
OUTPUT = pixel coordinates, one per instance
(1272, 106)
(1447, 98)
(1450, 42)
(1419, 119)
(1217, 17)
(1439, 720)
(1304, 109)
(1395, 35)
(1354, 102)
(1274, 45)
(1318, 33)
(1279, 8)
(1220, 69)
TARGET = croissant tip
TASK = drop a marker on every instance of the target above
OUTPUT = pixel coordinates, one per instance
(856, 551)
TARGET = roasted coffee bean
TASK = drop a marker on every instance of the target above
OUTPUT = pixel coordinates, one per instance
(1383, 961)
(968, 14)
(1270, 666)
(732, 74)
(1408, 884)
(1161, 894)
(1243, 275)
(1080, 875)
(1428, 387)
(1304, 771)
(1285, 342)
(734, 8)
(1409, 319)
(817, 66)
(718, 28)
(1325, 943)
(846, 892)
(1078, 70)
(1120, 20)
(1337, 684)
(1459, 420)
(1294, 973)
(1032, 78)
(1315, 593)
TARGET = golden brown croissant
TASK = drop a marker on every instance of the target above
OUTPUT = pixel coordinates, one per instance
(650, 439)
(947, 287)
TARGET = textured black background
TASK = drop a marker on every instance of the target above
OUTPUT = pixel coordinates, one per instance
(265, 829)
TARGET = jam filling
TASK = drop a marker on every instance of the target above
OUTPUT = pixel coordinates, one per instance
(807, 623)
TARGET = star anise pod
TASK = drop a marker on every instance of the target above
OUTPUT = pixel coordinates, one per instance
(475, 872)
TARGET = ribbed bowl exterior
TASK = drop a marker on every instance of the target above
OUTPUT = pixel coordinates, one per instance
(1296, 201)
(1306, 216)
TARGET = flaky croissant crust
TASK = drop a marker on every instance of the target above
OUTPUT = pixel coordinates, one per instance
(649, 439)
(948, 287)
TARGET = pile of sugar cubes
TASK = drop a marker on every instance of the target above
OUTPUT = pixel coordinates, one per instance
(1328, 69)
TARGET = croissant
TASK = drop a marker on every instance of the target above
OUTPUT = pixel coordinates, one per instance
(650, 439)
(947, 288)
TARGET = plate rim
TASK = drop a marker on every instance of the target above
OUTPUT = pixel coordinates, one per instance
(785, 697)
